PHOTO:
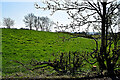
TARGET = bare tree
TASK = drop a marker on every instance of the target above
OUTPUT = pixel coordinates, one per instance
(39, 22)
(35, 23)
(101, 15)
(46, 23)
(8, 22)
(29, 20)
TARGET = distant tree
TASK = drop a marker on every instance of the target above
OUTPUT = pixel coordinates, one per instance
(39, 22)
(46, 23)
(29, 20)
(8, 22)
(35, 23)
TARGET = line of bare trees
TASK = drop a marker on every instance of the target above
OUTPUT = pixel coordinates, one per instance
(42, 23)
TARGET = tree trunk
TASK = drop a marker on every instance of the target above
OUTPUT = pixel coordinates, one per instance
(36, 29)
(110, 70)
(103, 41)
(30, 27)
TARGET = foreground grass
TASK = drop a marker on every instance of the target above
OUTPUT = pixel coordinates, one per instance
(25, 45)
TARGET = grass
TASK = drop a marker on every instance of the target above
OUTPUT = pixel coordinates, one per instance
(25, 45)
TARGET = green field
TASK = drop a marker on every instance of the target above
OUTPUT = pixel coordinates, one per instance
(25, 45)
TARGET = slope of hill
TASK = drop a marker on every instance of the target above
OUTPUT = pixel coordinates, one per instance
(25, 45)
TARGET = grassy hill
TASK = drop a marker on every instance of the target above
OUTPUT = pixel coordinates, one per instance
(25, 45)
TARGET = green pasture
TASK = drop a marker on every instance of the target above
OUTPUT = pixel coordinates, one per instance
(25, 45)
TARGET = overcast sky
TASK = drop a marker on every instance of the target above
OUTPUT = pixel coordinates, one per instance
(17, 9)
